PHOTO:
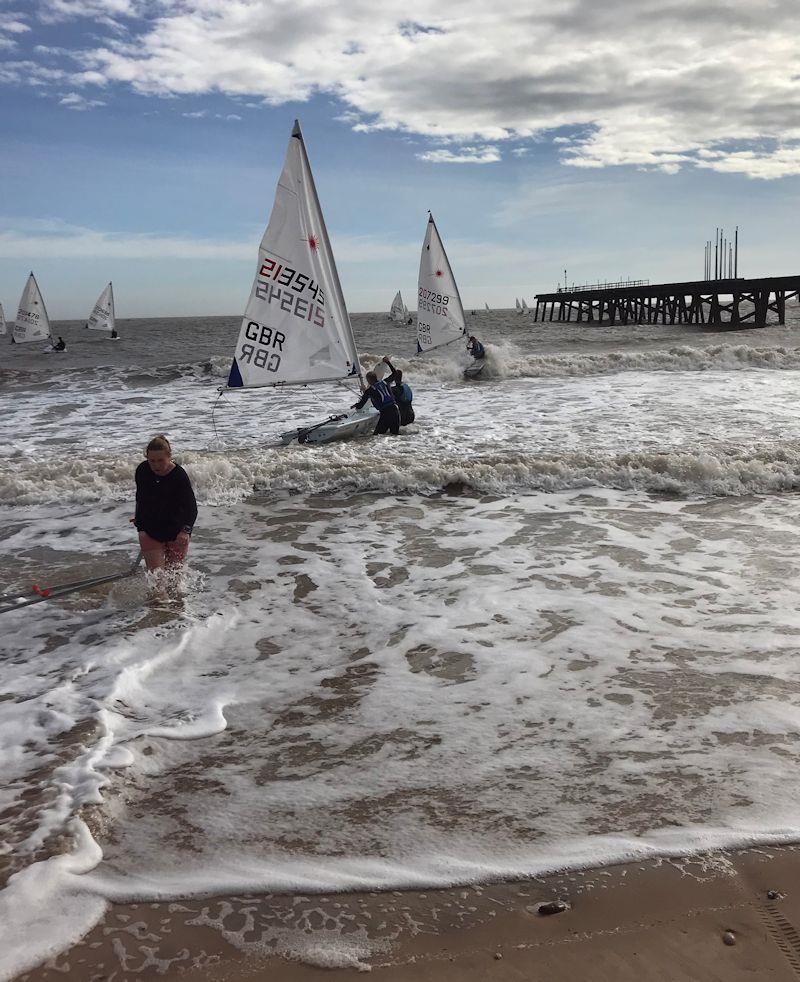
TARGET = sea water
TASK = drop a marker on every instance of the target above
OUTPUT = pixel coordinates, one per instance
(552, 624)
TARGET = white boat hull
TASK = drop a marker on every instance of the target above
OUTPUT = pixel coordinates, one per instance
(359, 422)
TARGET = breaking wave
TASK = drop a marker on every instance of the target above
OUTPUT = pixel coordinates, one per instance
(508, 361)
(226, 477)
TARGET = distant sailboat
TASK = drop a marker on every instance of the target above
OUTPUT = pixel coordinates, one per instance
(440, 315)
(525, 308)
(486, 305)
(102, 316)
(32, 323)
(519, 306)
(3, 327)
(296, 329)
(398, 312)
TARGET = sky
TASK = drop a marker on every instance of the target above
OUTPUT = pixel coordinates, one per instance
(141, 140)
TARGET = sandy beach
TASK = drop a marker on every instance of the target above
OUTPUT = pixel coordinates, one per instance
(723, 916)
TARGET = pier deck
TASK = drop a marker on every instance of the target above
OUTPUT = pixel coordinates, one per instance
(728, 303)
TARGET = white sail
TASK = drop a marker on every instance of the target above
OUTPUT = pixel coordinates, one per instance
(525, 308)
(406, 314)
(397, 310)
(32, 323)
(440, 316)
(519, 306)
(102, 316)
(2, 321)
(296, 328)
(486, 305)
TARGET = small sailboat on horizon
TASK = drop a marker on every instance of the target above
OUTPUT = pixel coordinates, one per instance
(518, 306)
(398, 312)
(296, 329)
(102, 317)
(3, 326)
(32, 322)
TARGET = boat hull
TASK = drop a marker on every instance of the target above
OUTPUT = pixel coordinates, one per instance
(474, 371)
(345, 427)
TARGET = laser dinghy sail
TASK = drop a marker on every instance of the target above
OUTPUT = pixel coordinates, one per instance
(440, 315)
(398, 312)
(32, 323)
(296, 329)
(102, 316)
(3, 327)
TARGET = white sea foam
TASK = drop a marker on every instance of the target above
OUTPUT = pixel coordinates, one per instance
(367, 686)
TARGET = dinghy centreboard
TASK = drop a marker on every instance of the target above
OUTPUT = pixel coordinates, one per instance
(296, 329)
(32, 323)
(440, 314)
(102, 316)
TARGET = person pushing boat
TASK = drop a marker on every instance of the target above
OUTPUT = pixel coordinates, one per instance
(382, 399)
(401, 391)
(475, 348)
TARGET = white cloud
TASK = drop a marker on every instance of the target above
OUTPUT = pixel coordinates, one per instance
(466, 155)
(74, 100)
(644, 83)
(34, 239)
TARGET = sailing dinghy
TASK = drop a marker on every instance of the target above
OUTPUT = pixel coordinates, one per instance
(440, 315)
(296, 329)
(397, 312)
(518, 306)
(102, 316)
(32, 323)
(3, 327)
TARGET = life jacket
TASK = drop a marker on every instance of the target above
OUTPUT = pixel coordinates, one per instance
(403, 392)
(381, 397)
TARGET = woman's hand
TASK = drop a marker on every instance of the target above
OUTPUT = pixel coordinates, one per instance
(182, 538)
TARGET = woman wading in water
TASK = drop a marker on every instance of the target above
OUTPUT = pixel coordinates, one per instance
(166, 509)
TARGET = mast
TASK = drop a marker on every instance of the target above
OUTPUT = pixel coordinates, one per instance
(297, 134)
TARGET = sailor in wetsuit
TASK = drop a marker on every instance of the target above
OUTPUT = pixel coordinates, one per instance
(401, 391)
(383, 400)
(476, 349)
(60, 345)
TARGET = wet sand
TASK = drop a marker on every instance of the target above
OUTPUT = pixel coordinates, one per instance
(663, 920)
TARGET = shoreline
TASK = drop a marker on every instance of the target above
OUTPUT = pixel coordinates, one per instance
(656, 919)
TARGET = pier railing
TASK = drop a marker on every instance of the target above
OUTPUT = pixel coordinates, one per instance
(608, 285)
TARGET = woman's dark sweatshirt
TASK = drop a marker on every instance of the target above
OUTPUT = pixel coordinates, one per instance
(165, 505)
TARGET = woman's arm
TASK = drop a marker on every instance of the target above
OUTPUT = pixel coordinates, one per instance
(187, 509)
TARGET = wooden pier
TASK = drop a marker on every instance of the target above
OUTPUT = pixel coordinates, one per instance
(724, 304)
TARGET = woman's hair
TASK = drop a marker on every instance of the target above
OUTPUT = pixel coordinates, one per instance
(372, 377)
(159, 443)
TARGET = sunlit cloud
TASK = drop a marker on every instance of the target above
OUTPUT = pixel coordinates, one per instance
(467, 155)
(649, 85)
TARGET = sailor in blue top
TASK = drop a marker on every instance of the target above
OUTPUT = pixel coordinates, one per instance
(382, 399)
(476, 348)
(401, 391)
